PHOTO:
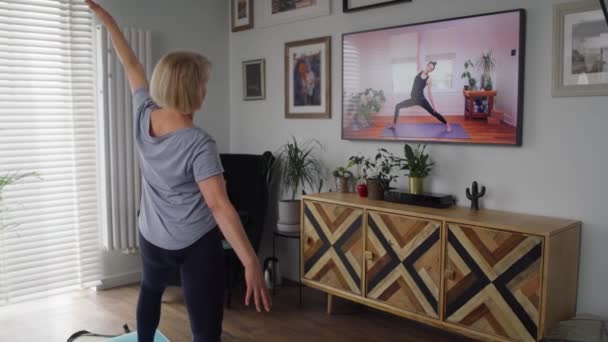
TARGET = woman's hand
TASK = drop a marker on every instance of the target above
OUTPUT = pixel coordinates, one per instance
(99, 11)
(256, 287)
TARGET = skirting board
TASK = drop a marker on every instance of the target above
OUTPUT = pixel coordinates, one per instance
(119, 280)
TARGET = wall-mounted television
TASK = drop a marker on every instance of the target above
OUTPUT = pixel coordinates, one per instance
(456, 80)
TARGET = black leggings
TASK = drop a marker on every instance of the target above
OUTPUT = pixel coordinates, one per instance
(422, 102)
(202, 271)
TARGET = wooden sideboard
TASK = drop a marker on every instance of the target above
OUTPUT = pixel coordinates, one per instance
(491, 275)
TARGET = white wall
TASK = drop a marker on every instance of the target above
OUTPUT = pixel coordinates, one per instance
(193, 25)
(559, 171)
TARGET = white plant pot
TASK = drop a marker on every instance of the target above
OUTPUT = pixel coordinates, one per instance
(289, 212)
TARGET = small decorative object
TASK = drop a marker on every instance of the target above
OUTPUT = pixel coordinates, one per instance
(275, 12)
(580, 62)
(364, 106)
(300, 169)
(272, 273)
(242, 15)
(378, 172)
(342, 176)
(362, 189)
(308, 79)
(420, 80)
(357, 5)
(474, 195)
(418, 164)
(254, 80)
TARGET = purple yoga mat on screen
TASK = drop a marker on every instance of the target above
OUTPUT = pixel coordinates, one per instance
(426, 130)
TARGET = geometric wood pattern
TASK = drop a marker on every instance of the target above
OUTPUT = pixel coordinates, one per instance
(494, 283)
(333, 245)
(404, 270)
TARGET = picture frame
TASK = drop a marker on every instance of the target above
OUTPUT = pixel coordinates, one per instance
(241, 14)
(254, 80)
(477, 91)
(274, 14)
(358, 5)
(308, 79)
(580, 71)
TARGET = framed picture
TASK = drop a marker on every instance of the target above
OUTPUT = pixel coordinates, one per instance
(308, 79)
(242, 15)
(580, 57)
(254, 80)
(421, 83)
(276, 12)
(357, 5)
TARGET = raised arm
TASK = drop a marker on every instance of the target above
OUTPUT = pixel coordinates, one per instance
(133, 68)
(214, 192)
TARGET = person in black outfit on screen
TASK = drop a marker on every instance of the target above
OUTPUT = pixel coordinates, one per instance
(421, 81)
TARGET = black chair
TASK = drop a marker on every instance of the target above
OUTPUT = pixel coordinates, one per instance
(247, 181)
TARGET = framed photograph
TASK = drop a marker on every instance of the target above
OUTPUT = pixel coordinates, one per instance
(308, 79)
(580, 61)
(423, 83)
(276, 12)
(357, 5)
(254, 80)
(242, 15)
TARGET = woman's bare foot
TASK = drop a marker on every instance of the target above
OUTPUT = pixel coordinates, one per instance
(391, 126)
(448, 127)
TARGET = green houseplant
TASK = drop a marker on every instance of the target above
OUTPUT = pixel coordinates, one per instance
(342, 176)
(471, 81)
(487, 64)
(365, 104)
(6, 180)
(378, 172)
(300, 170)
(418, 164)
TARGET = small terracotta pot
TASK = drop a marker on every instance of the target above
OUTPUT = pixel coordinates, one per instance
(375, 189)
(362, 189)
(342, 184)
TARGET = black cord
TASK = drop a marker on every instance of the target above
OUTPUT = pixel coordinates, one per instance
(603, 4)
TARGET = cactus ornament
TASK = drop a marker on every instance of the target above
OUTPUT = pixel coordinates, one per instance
(475, 195)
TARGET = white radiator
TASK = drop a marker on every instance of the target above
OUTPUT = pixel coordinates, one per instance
(120, 177)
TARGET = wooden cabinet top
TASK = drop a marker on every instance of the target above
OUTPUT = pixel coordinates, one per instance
(516, 222)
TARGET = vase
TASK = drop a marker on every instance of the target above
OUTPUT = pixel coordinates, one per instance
(417, 185)
(375, 189)
(362, 190)
(289, 212)
(342, 184)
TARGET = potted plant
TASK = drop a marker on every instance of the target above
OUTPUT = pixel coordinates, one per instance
(471, 81)
(378, 172)
(6, 180)
(364, 105)
(342, 177)
(299, 169)
(418, 164)
(487, 64)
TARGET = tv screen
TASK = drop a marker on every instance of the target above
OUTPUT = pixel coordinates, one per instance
(455, 80)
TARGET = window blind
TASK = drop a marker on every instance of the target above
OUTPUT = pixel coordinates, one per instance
(48, 125)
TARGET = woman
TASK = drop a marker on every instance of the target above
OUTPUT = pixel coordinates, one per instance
(184, 197)
(421, 81)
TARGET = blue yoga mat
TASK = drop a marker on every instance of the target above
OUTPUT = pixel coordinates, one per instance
(426, 130)
(132, 337)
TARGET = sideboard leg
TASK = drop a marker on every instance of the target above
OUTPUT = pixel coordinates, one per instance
(330, 304)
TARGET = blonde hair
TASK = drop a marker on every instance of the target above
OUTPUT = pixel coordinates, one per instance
(178, 81)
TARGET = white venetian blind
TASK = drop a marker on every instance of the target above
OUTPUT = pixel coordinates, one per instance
(47, 125)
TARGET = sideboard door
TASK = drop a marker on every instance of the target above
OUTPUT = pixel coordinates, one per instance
(493, 281)
(403, 267)
(332, 245)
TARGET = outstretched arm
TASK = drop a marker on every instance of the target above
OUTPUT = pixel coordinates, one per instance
(133, 68)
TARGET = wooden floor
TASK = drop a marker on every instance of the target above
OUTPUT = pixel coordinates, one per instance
(57, 318)
(479, 130)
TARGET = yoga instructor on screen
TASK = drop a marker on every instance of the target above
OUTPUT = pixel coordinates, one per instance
(421, 81)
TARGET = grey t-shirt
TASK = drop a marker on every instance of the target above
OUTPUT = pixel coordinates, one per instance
(173, 212)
